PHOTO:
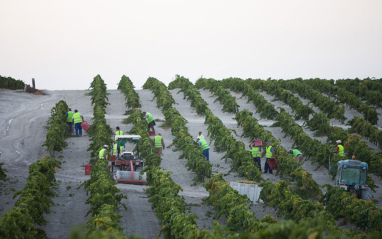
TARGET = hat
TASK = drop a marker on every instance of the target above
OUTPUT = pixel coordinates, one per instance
(268, 142)
(70, 108)
(338, 141)
(291, 151)
(106, 146)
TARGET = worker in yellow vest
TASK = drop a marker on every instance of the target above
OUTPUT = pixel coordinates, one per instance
(269, 153)
(200, 136)
(117, 150)
(77, 120)
(256, 154)
(296, 154)
(118, 131)
(103, 152)
(150, 121)
(69, 120)
(204, 146)
(339, 149)
(158, 144)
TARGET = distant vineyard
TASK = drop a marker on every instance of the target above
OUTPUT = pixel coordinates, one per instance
(10, 83)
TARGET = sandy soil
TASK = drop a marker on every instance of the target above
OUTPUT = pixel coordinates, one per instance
(23, 130)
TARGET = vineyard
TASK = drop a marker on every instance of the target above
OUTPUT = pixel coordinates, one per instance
(45, 194)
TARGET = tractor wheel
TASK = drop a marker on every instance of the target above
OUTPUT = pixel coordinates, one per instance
(366, 194)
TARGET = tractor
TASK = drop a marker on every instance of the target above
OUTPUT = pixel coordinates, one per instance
(129, 164)
(351, 176)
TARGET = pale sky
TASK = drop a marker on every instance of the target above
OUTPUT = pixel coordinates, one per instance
(63, 44)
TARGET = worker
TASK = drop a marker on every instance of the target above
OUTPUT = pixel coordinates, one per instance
(150, 120)
(200, 136)
(204, 146)
(296, 154)
(158, 144)
(339, 149)
(117, 150)
(77, 120)
(256, 155)
(69, 120)
(117, 131)
(269, 153)
(103, 152)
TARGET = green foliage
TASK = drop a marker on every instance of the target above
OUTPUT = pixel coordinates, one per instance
(3, 175)
(367, 130)
(364, 214)
(11, 83)
(132, 98)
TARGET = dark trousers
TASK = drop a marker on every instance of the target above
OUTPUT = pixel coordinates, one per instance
(266, 167)
(69, 128)
(78, 128)
(257, 160)
(206, 154)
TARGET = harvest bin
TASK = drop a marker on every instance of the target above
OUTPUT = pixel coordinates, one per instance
(272, 163)
(88, 168)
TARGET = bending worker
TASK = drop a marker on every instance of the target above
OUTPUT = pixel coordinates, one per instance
(339, 149)
(103, 152)
(296, 154)
(204, 146)
(150, 120)
(256, 155)
(158, 144)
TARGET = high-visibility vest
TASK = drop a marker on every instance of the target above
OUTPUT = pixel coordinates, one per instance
(204, 144)
(341, 150)
(256, 152)
(70, 116)
(77, 118)
(200, 137)
(100, 156)
(296, 152)
(115, 149)
(119, 132)
(150, 118)
(268, 153)
(158, 141)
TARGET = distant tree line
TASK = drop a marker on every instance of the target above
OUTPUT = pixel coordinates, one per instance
(10, 83)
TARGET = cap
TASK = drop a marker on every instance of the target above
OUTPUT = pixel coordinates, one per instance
(70, 108)
(268, 142)
(338, 141)
(291, 151)
(106, 146)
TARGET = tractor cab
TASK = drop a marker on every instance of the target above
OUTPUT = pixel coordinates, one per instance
(352, 176)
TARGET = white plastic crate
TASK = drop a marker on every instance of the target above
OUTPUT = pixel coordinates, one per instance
(251, 190)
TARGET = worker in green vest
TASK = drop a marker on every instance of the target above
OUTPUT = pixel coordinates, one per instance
(296, 154)
(204, 146)
(256, 154)
(69, 120)
(269, 153)
(158, 144)
(118, 131)
(117, 150)
(150, 120)
(200, 136)
(103, 152)
(77, 120)
(339, 149)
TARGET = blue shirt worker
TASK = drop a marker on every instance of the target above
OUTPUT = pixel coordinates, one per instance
(269, 153)
(69, 120)
(77, 120)
(150, 120)
(206, 149)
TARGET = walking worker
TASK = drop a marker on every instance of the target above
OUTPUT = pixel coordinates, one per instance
(158, 144)
(339, 149)
(103, 152)
(77, 120)
(200, 136)
(269, 153)
(150, 120)
(117, 150)
(117, 131)
(256, 155)
(204, 146)
(296, 154)
(69, 120)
